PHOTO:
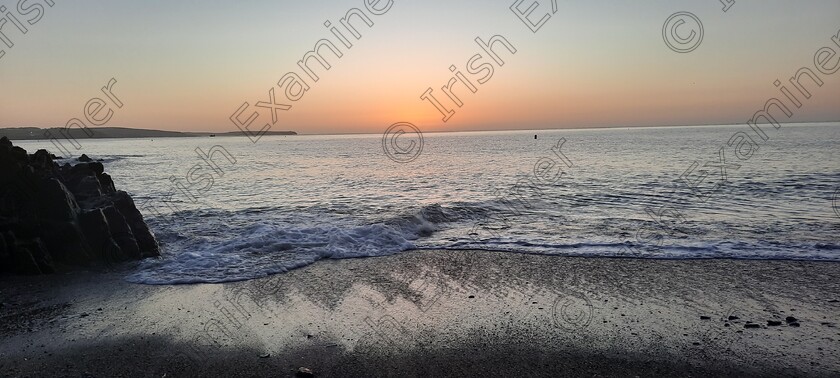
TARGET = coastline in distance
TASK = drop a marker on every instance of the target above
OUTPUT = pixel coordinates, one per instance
(36, 133)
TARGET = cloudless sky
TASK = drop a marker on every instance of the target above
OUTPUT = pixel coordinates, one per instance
(188, 65)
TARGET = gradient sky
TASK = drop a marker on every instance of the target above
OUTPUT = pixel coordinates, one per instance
(188, 65)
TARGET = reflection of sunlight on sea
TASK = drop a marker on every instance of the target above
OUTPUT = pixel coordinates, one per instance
(290, 201)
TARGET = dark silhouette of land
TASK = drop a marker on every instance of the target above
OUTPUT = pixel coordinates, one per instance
(35, 133)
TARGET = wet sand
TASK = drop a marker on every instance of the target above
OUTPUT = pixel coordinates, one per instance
(436, 313)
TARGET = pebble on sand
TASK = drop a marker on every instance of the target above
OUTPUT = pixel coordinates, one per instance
(304, 373)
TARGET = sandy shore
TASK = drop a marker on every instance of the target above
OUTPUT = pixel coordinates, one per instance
(436, 313)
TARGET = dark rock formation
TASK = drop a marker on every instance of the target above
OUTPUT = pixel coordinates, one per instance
(56, 218)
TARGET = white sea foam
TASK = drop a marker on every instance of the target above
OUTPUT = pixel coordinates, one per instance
(261, 250)
(288, 202)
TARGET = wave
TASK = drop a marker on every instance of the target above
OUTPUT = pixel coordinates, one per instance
(217, 254)
(214, 246)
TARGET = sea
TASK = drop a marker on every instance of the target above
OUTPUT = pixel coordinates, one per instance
(229, 209)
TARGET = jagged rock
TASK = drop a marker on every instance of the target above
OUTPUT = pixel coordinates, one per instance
(7, 261)
(5, 252)
(97, 232)
(145, 240)
(121, 233)
(42, 159)
(56, 202)
(19, 153)
(96, 167)
(66, 243)
(54, 218)
(86, 188)
(24, 263)
(106, 183)
(31, 257)
(18, 202)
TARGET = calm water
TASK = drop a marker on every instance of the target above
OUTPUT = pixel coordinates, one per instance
(289, 201)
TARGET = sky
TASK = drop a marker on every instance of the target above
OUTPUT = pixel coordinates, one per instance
(189, 65)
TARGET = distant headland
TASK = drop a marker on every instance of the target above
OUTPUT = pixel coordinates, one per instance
(35, 133)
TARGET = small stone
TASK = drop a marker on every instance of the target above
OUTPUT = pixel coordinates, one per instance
(726, 325)
(791, 319)
(85, 159)
(794, 324)
(733, 317)
(752, 325)
(704, 317)
(471, 296)
(304, 373)
(774, 323)
(267, 355)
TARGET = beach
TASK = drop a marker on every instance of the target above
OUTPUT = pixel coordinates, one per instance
(436, 313)
(420, 189)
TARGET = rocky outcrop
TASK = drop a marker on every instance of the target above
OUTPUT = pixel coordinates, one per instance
(60, 217)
